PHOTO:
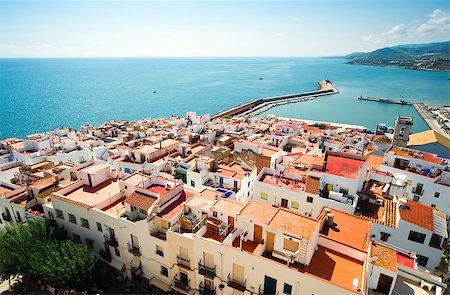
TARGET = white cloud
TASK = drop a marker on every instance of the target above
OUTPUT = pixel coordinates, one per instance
(438, 22)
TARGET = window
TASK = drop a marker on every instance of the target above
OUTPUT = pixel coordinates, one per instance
(437, 194)
(422, 260)
(416, 198)
(125, 187)
(418, 189)
(433, 205)
(159, 251)
(343, 191)
(142, 211)
(50, 215)
(294, 205)
(84, 222)
(416, 237)
(287, 289)
(59, 214)
(133, 208)
(263, 196)
(164, 271)
(384, 236)
(215, 213)
(72, 218)
(90, 243)
(436, 242)
(309, 199)
(192, 183)
(117, 251)
(99, 226)
(76, 238)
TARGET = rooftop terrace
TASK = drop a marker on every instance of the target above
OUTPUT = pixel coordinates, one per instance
(343, 166)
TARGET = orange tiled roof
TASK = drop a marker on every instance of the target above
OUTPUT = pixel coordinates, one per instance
(312, 185)
(140, 200)
(418, 214)
(387, 257)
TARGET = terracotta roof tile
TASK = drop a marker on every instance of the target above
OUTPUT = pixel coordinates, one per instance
(418, 214)
(312, 185)
(387, 257)
(140, 200)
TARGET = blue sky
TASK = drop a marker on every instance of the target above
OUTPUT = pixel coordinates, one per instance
(215, 28)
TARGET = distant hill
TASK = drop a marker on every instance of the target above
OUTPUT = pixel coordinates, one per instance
(427, 57)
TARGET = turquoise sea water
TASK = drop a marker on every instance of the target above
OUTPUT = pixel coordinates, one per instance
(42, 94)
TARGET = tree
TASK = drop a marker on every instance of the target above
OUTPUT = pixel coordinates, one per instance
(31, 250)
(63, 265)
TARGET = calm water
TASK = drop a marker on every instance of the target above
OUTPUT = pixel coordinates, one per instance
(41, 94)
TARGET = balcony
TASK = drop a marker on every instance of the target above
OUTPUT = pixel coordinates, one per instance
(159, 235)
(206, 291)
(111, 241)
(134, 249)
(183, 262)
(6, 217)
(181, 284)
(236, 284)
(206, 271)
(105, 255)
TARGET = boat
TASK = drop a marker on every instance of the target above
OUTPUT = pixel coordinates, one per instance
(261, 78)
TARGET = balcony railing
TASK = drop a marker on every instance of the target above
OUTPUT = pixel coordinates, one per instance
(111, 240)
(181, 284)
(236, 284)
(106, 255)
(6, 217)
(206, 271)
(134, 249)
(159, 235)
(417, 191)
(183, 262)
(206, 291)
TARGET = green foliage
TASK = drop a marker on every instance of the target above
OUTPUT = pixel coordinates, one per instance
(32, 251)
(226, 117)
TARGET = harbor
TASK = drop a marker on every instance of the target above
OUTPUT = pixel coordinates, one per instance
(386, 100)
(260, 105)
(437, 118)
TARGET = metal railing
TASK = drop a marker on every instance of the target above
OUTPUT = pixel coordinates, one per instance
(181, 284)
(183, 261)
(134, 249)
(236, 284)
(206, 271)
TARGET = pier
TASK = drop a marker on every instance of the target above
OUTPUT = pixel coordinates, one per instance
(260, 105)
(423, 111)
(387, 100)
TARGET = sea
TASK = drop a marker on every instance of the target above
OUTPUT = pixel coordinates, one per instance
(37, 95)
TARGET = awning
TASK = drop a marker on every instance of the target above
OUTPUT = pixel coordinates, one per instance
(159, 284)
(136, 262)
(117, 264)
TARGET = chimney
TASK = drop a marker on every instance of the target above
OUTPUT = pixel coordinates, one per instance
(330, 217)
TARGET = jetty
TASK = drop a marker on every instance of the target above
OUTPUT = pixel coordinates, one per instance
(432, 122)
(387, 100)
(260, 105)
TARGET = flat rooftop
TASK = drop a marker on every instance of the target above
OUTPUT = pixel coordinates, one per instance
(347, 229)
(343, 166)
(135, 178)
(93, 196)
(336, 268)
(228, 206)
(5, 189)
(258, 212)
(294, 223)
(415, 154)
(287, 183)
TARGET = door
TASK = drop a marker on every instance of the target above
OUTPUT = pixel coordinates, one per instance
(221, 181)
(90, 180)
(209, 285)
(270, 285)
(231, 221)
(184, 277)
(258, 234)
(238, 272)
(270, 240)
(284, 203)
(384, 284)
(235, 185)
(134, 240)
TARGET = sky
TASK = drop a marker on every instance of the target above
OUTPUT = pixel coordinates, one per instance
(216, 28)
